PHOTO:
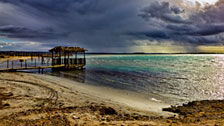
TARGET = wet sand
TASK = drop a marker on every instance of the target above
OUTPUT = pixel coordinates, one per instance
(33, 99)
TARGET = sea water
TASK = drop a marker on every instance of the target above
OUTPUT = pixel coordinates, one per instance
(170, 78)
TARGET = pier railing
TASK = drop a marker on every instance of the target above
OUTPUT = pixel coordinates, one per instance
(58, 57)
(41, 63)
(72, 61)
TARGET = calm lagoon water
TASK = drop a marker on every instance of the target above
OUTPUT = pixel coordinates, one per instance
(172, 78)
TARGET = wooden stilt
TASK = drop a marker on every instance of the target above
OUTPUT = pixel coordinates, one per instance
(84, 58)
(7, 63)
(76, 60)
(42, 60)
(12, 64)
(35, 62)
(25, 64)
(68, 60)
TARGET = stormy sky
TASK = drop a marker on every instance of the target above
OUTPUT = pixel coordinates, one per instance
(112, 25)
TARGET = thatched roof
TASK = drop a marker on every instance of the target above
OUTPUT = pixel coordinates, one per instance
(67, 49)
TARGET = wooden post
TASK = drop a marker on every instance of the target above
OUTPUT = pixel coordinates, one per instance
(60, 58)
(65, 59)
(7, 63)
(76, 61)
(84, 58)
(68, 60)
(32, 57)
(35, 62)
(52, 58)
(38, 57)
(42, 60)
(48, 61)
(12, 64)
(25, 64)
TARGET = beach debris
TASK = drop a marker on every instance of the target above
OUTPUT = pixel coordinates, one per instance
(107, 111)
(6, 105)
(75, 117)
(156, 100)
(198, 111)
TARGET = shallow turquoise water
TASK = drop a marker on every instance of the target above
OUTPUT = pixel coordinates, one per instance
(173, 78)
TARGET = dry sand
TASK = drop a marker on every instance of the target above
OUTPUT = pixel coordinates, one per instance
(33, 99)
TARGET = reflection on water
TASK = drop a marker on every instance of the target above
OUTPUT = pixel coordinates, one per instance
(76, 75)
(28, 63)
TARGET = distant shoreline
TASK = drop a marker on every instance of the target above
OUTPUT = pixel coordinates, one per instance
(98, 53)
(149, 53)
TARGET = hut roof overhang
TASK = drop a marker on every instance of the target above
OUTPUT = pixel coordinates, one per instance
(67, 49)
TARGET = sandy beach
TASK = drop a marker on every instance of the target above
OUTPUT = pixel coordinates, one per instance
(34, 99)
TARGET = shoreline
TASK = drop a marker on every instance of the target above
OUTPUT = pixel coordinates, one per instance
(111, 95)
(34, 99)
(26, 93)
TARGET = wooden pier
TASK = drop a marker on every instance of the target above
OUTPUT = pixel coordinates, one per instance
(58, 58)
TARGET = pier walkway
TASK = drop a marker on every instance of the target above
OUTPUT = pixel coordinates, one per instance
(57, 58)
(30, 68)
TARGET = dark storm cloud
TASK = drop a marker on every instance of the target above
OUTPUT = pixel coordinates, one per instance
(109, 24)
(94, 24)
(164, 12)
(210, 14)
(202, 27)
(197, 30)
(22, 32)
(207, 30)
(62, 6)
(156, 34)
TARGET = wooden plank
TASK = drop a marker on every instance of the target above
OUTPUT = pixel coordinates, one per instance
(43, 67)
(29, 68)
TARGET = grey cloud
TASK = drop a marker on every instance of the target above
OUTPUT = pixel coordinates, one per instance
(202, 27)
(5, 44)
(181, 28)
(164, 12)
(106, 24)
(207, 30)
(210, 14)
(89, 23)
(156, 34)
(12, 31)
(197, 30)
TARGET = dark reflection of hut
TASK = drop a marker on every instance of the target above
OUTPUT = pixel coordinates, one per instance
(76, 75)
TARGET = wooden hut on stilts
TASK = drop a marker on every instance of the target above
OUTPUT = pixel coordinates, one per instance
(69, 56)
